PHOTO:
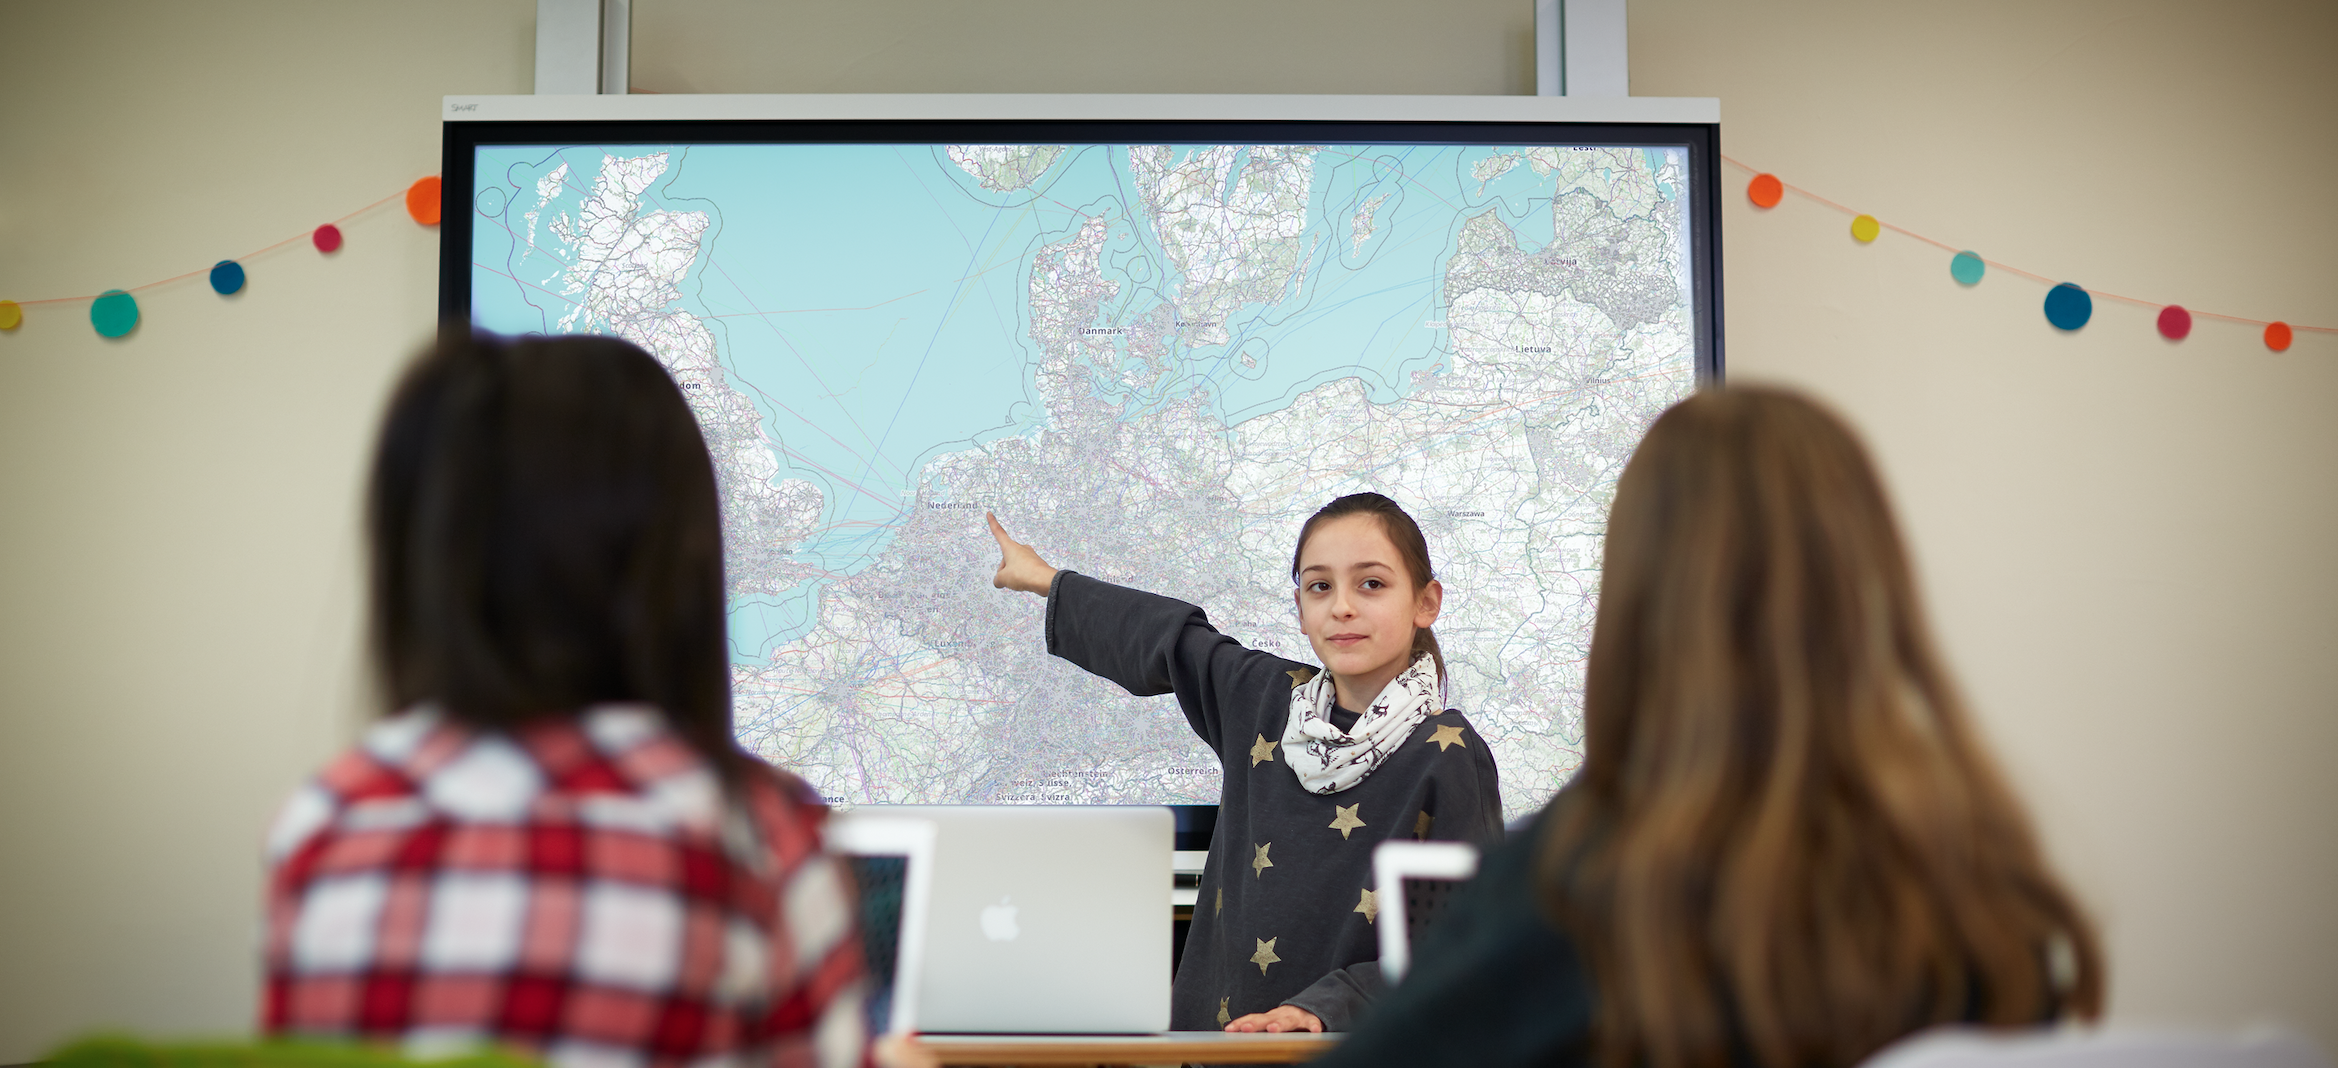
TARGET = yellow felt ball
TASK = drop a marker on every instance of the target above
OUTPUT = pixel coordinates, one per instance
(1865, 228)
(10, 314)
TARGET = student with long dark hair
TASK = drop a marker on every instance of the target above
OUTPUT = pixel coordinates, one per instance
(1321, 762)
(551, 842)
(1787, 845)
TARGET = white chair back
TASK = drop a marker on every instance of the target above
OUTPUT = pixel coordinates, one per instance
(1966, 1047)
(1394, 862)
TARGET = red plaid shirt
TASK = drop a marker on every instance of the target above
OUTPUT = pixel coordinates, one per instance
(583, 890)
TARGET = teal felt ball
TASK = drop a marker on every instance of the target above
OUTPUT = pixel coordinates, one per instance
(1967, 268)
(113, 313)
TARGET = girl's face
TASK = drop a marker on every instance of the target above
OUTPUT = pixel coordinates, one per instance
(1358, 605)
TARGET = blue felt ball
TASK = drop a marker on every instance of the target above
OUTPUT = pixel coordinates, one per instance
(227, 276)
(2068, 307)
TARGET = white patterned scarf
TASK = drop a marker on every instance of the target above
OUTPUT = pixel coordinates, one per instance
(1328, 759)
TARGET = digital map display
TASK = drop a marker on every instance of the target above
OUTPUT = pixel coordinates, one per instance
(1153, 362)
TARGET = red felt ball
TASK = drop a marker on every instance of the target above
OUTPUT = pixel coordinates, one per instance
(2175, 324)
(2277, 337)
(327, 237)
(1765, 191)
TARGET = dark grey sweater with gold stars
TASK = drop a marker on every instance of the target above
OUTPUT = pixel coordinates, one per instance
(1286, 896)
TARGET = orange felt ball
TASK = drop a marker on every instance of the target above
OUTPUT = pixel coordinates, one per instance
(2277, 337)
(1765, 191)
(422, 200)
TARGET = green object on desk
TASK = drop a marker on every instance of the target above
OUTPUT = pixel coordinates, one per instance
(109, 1051)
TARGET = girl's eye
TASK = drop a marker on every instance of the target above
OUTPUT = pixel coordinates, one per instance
(1318, 586)
(1372, 584)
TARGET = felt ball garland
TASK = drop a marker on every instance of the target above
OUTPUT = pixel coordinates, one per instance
(115, 312)
(2068, 306)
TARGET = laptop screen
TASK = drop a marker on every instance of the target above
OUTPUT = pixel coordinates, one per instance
(880, 882)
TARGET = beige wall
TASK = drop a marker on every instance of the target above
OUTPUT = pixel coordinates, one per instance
(178, 559)
(2126, 541)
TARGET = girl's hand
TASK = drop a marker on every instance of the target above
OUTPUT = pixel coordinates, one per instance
(1019, 567)
(902, 1051)
(1278, 1019)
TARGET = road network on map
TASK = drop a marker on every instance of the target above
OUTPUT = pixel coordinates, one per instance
(911, 680)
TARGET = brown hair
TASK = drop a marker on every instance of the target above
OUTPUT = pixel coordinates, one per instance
(1403, 533)
(1786, 838)
(545, 536)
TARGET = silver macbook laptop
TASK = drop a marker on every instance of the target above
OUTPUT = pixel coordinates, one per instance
(1041, 919)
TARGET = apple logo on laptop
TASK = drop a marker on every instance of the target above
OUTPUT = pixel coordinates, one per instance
(998, 921)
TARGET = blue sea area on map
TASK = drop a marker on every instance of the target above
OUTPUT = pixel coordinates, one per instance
(873, 300)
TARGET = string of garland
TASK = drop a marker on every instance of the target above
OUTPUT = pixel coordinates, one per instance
(2068, 306)
(114, 312)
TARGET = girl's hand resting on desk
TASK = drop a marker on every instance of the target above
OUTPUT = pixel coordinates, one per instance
(1278, 1019)
(1019, 567)
(902, 1051)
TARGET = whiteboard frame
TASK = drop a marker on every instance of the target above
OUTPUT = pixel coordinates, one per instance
(1092, 107)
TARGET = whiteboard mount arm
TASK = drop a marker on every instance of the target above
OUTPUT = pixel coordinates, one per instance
(1580, 48)
(584, 47)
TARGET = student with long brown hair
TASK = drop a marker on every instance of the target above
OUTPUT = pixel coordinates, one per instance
(1787, 845)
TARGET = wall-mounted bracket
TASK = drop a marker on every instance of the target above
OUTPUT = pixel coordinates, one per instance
(1580, 48)
(583, 46)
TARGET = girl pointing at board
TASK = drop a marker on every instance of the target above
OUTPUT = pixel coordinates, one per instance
(1320, 763)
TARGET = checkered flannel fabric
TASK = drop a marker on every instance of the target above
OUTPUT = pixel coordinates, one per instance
(582, 890)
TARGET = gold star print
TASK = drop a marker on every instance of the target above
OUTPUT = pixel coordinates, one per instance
(1299, 676)
(1259, 864)
(1265, 954)
(1369, 906)
(1221, 909)
(1421, 826)
(1346, 822)
(1447, 736)
(1224, 1017)
(1261, 750)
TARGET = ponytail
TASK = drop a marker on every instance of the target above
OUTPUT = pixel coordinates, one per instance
(1425, 641)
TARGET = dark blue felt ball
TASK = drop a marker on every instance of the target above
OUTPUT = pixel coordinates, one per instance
(2068, 307)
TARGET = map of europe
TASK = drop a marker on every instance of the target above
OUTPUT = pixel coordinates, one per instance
(1153, 362)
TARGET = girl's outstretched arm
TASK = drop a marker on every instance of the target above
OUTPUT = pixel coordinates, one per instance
(1020, 567)
(1148, 644)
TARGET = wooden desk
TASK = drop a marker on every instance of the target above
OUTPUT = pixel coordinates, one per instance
(1172, 1047)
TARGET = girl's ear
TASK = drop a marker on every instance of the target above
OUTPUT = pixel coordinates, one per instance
(1432, 602)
